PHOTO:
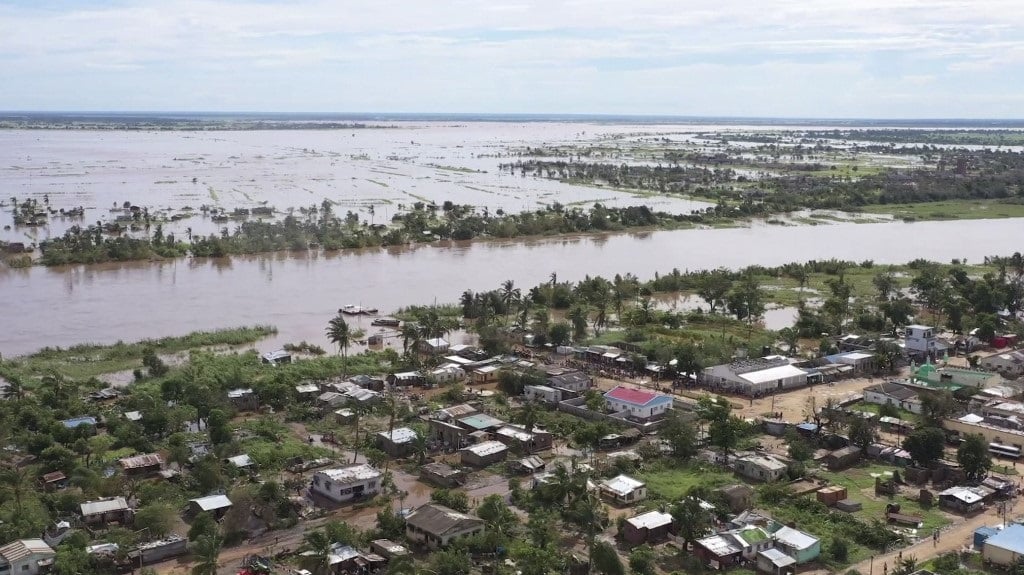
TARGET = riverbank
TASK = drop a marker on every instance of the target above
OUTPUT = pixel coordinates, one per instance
(108, 302)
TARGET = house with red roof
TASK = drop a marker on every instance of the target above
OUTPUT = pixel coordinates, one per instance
(637, 403)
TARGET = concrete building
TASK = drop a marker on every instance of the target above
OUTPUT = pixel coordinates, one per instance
(26, 557)
(569, 379)
(1009, 364)
(346, 483)
(890, 393)
(755, 376)
(623, 490)
(995, 429)
(760, 467)
(738, 496)
(521, 441)
(649, 527)
(922, 340)
(542, 394)
(398, 443)
(484, 454)
(435, 526)
(1006, 547)
(636, 403)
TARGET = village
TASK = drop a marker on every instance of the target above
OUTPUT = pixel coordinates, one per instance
(892, 454)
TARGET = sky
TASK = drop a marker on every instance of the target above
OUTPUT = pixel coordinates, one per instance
(737, 58)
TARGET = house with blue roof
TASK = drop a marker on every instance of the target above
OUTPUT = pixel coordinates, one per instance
(1005, 548)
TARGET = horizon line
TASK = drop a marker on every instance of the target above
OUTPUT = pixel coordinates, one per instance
(519, 115)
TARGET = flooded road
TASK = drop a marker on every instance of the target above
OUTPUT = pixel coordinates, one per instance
(299, 294)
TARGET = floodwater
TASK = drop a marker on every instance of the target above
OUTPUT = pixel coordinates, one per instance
(300, 293)
(374, 172)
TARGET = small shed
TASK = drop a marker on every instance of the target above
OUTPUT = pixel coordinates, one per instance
(144, 464)
(388, 549)
(831, 495)
(442, 474)
(738, 496)
(531, 464)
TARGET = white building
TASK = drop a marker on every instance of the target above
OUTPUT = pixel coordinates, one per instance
(542, 393)
(755, 376)
(346, 483)
(448, 373)
(637, 403)
(888, 393)
(623, 489)
(26, 557)
(922, 340)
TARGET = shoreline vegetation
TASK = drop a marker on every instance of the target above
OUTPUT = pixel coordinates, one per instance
(317, 227)
(141, 237)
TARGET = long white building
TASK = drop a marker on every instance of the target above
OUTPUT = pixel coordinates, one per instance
(756, 376)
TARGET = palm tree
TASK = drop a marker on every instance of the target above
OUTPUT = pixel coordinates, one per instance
(320, 544)
(410, 334)
(601, 320)
(207, 552)
(578, 315)
(419, 447)
(509, 294)
(340, 335)
(357, 409)
(16, 482)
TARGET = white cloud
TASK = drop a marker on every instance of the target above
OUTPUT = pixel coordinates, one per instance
(515, 55)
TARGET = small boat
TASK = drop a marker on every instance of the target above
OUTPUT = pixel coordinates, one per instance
(358, 310)
(386, 322)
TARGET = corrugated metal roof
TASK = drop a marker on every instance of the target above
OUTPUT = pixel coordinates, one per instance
(399, 435)
(212, 502)
(104, 506)
(352, 473)
(22, 548)
(795, 538)
(650, 520)
(144, 460)
(486, 448)
(621, 485)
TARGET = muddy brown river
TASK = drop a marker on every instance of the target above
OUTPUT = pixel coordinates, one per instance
(299, 294)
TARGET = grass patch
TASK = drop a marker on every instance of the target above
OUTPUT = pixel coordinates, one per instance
(90, 360)
(673, 483)
(951, 210)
